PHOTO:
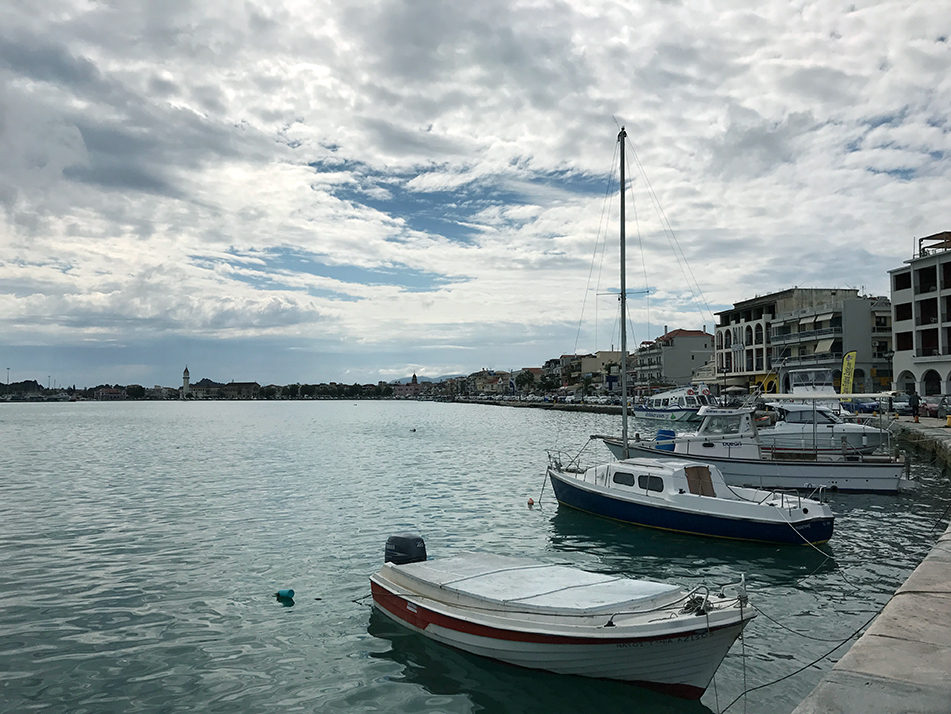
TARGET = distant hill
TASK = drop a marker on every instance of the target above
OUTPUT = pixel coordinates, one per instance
(421, 378)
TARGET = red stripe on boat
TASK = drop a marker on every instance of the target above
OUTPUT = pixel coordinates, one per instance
(421, 617)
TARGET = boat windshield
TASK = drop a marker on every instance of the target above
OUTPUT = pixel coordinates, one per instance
(722, 425)
(808, 416)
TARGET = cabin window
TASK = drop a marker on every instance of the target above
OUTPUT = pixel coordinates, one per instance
(691, 401)
(722, 425)
(650, 483)
(808, 417)
(664, 402)
(625, 479)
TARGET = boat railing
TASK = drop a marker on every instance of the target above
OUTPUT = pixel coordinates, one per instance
(809, 446)
(563, 461)
(788, 497)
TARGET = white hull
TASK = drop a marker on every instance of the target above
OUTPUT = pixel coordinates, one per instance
(843, 438)
(650, 641)
(867, 475)
(664, 414)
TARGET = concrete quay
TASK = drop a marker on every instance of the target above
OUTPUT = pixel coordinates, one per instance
(903, 661)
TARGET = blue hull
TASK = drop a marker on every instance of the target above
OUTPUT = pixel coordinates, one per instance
(813, 531)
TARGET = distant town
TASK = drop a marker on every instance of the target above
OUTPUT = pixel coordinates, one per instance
(901, 342)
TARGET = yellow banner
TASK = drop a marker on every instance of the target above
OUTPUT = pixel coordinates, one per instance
(848, 370)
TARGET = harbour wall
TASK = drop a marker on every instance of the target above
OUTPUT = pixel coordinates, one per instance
(902, 663)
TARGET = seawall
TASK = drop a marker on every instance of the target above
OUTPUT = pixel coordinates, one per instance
(902, 663)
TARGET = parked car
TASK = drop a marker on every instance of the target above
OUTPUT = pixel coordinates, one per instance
(900, 405)
(944, 407)
(860, 406)
(931, 405)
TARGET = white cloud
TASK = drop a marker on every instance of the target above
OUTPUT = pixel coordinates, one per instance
(398, 179)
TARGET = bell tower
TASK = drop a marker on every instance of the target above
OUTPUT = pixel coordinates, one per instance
(185, 382)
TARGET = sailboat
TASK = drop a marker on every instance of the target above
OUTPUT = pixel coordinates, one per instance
(672, 494)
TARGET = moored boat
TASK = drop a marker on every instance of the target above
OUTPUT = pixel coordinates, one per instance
(803, 427)
(562, 619)
(730, 440)
(680, 404)
(688, 497)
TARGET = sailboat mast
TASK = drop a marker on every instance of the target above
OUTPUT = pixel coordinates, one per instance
(621, 137)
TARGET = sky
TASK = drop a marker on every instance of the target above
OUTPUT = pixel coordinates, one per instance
(353, 192)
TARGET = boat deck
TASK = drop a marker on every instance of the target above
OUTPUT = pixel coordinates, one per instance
(502, 582)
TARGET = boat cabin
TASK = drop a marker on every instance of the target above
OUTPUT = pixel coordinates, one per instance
(648, 477)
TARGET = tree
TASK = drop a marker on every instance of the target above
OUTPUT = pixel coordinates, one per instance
(135, 391)
(548, 383)
(524, 380)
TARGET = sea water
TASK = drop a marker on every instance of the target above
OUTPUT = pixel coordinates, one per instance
(142, 546)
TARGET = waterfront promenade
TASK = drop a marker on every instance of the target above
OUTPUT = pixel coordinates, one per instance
(903, 661)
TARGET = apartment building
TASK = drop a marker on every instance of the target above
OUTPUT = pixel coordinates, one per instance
(671, 359)
(921, 318)
(761, 341)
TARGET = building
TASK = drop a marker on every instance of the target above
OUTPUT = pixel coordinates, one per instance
(760, 341)
(185, 378)
(921, 318)
(410, 390)
(240, 390)
(671, 359)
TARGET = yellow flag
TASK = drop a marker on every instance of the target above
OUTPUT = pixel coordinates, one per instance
(848, 369)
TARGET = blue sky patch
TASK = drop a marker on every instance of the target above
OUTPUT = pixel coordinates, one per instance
(279, 261)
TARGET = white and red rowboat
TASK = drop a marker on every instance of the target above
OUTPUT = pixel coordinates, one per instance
(565, 620)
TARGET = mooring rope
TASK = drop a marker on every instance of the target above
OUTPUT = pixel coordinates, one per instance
(804, 667)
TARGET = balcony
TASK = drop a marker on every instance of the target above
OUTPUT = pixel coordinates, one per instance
(808, 335)
(809, 360)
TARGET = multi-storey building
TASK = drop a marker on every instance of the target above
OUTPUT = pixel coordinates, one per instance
(671, 359)
(921, 318)
(761, 341)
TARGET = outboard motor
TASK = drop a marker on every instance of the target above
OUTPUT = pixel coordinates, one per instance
(404, 548)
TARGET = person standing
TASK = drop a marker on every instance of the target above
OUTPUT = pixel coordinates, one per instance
(914, 401)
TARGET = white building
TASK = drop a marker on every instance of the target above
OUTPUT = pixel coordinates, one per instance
(921, 318)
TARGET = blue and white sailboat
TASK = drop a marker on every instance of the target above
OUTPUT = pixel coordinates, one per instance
(673, 494)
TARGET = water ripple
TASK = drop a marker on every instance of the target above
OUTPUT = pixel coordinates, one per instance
(142, 545)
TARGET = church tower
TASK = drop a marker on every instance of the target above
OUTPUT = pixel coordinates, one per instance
(185, 382)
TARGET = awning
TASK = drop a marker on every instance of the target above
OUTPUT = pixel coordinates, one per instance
(823, 318)
(807, 320)
(824, 345)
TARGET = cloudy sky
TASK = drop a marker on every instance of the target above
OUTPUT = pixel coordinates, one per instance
(356, 191)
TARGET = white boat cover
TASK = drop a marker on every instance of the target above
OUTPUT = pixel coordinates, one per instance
(503, 582)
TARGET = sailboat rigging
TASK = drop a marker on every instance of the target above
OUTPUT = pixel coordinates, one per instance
(672, 494)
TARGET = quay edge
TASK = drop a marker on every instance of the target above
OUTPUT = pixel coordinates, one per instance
(902, 663)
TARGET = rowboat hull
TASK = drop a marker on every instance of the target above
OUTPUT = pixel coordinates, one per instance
(677, 655)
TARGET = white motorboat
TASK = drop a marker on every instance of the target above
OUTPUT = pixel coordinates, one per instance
(561, 619)
(730, 440)
(814, 427)
(680, 404)
(680, 495)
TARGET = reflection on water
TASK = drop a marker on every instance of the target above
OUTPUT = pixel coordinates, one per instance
(492, 686)
(142, 545)
(655, 554)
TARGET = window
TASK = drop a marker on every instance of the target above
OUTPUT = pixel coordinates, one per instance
(650, 483)
(625, 479)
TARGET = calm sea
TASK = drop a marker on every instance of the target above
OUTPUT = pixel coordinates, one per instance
(141, 545)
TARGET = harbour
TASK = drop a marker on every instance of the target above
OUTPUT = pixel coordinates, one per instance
(143, 544)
